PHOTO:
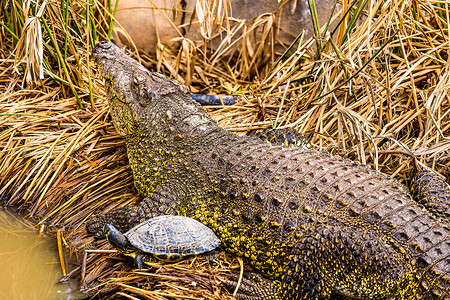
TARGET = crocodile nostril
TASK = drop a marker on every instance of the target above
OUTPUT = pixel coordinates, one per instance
(105, 44)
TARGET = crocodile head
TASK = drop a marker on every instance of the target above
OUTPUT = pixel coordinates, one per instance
(140, 99)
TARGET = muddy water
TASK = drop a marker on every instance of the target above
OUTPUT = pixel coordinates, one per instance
(29, 264)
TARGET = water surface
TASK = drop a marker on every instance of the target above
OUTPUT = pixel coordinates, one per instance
(29, 263)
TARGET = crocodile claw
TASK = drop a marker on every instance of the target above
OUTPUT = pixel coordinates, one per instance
(96, 226)
(253, 287)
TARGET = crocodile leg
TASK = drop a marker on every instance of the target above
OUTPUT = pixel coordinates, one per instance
(161, 202)
(431, 190)
(123, 218)
(286, 136)
(348, 263)
(309, 281)
(203, 99)
(334, 261)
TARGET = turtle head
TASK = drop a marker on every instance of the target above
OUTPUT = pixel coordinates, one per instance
(116, 238)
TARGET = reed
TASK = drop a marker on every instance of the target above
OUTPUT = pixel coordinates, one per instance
(375, 90)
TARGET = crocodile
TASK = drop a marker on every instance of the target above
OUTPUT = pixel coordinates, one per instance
(313, 224)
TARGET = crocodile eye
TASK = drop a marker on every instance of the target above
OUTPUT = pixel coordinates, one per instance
(143, 96)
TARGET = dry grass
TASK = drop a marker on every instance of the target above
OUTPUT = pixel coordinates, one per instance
(377, 93)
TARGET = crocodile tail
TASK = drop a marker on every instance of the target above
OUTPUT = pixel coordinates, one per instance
(434, 266)
(427, 240)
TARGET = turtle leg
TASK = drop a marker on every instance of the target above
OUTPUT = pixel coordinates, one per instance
(432, 191)
(139, 261)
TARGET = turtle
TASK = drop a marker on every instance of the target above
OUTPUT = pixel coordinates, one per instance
(167, 238)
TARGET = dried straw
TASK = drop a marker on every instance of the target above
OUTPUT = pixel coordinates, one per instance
(376, 90)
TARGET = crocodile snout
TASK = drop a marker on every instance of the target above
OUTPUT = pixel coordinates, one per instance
(106, 50)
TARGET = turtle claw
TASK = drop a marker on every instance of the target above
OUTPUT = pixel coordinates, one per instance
(253, 287)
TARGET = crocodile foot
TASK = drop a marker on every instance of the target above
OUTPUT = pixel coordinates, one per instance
(254, 287)
(286, 137)
(95, 226)
(432, 191)
(123, 218)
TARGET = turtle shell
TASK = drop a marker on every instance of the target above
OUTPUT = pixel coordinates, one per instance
(172, 235)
